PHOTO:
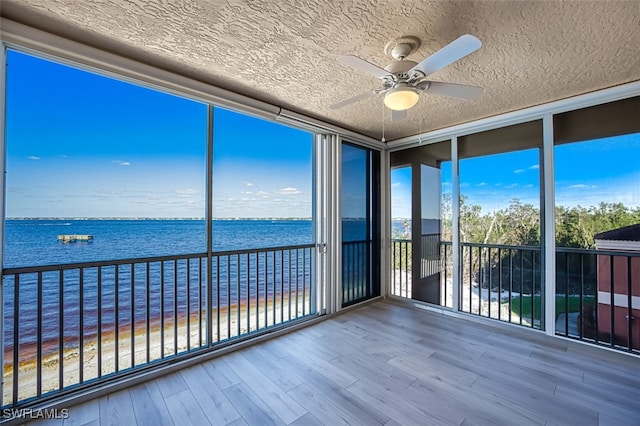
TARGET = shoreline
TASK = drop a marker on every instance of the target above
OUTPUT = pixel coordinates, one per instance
(28, 368)
(160, 218)
(50, 346)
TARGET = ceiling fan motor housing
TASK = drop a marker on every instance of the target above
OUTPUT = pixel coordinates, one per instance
(402, 47)
(400, 71)
(400, 67)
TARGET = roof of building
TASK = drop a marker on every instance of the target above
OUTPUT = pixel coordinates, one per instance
(626, 233)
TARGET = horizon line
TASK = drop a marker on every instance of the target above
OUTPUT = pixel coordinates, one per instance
(147, 218)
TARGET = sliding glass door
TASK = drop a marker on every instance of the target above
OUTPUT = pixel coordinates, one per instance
(421, 252)
(360, 214)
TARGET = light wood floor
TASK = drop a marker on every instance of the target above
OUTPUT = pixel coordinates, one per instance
(390, 364)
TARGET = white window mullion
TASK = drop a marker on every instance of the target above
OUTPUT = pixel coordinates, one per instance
(385, 222)
(336, 197)
(3, 150)
(320, 220)
(549, 228)
(455, 223)
(333, 226)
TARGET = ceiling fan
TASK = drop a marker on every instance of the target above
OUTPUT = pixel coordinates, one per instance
(404, 80)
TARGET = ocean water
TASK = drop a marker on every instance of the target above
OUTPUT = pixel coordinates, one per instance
(34, 242)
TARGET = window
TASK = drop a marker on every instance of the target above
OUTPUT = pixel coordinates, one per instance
(421, 254)
(500, 231)
(360, 224)
(107, 267)
(597, 190)
(91, 155)
(262, 183)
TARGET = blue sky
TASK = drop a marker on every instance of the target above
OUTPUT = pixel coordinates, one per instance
(260, 168)
(82, 145)
(586, 173)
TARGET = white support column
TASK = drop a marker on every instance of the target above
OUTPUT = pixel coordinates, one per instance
(209, 222)
(320, 220)
(385, 222)
(3, 163)
(455, 222)
(336, 191)
(549, 228)
(334, 225)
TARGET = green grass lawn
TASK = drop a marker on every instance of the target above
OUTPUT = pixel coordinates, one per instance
(574, 305)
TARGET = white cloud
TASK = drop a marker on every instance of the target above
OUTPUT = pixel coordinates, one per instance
(580, 186)
(188, 192)
(534, 167)
(288, 191)
(518, 171)
(262, 194)
(482, 184)
(395, 185)
(33, 157)
(122, 163)
(247, 183)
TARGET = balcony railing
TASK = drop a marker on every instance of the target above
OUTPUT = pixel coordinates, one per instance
(435, 259)
(401, 265)
(68, 326)
(501, 282)
(356, 272)
(504, 282)
(598, 297)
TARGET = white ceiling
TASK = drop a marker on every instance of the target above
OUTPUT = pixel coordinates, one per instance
(285, 52)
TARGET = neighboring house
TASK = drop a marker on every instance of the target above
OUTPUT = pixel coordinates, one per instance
(625, 274)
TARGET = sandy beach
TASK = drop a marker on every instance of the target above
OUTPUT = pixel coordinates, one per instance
(233, 323)
(474, 299)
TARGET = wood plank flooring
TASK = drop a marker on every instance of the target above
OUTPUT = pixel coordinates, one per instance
(388, 364)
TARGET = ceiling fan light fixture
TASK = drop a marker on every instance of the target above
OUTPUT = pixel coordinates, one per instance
(401, 98)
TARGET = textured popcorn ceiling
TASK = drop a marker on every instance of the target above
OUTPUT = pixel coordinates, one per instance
(284, 52)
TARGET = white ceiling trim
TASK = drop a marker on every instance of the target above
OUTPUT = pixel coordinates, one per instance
(303, 121)
(31, 40)
(537, 112)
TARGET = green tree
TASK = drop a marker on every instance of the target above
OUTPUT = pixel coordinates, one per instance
(577, 226)
(517, 224)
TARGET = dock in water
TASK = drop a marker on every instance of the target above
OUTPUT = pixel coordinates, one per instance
(75, 238)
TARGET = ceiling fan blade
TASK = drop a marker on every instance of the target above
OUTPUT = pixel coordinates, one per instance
(364, 66)
(457, 49)
(454, 90)
(398, 115)
(352, 100)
